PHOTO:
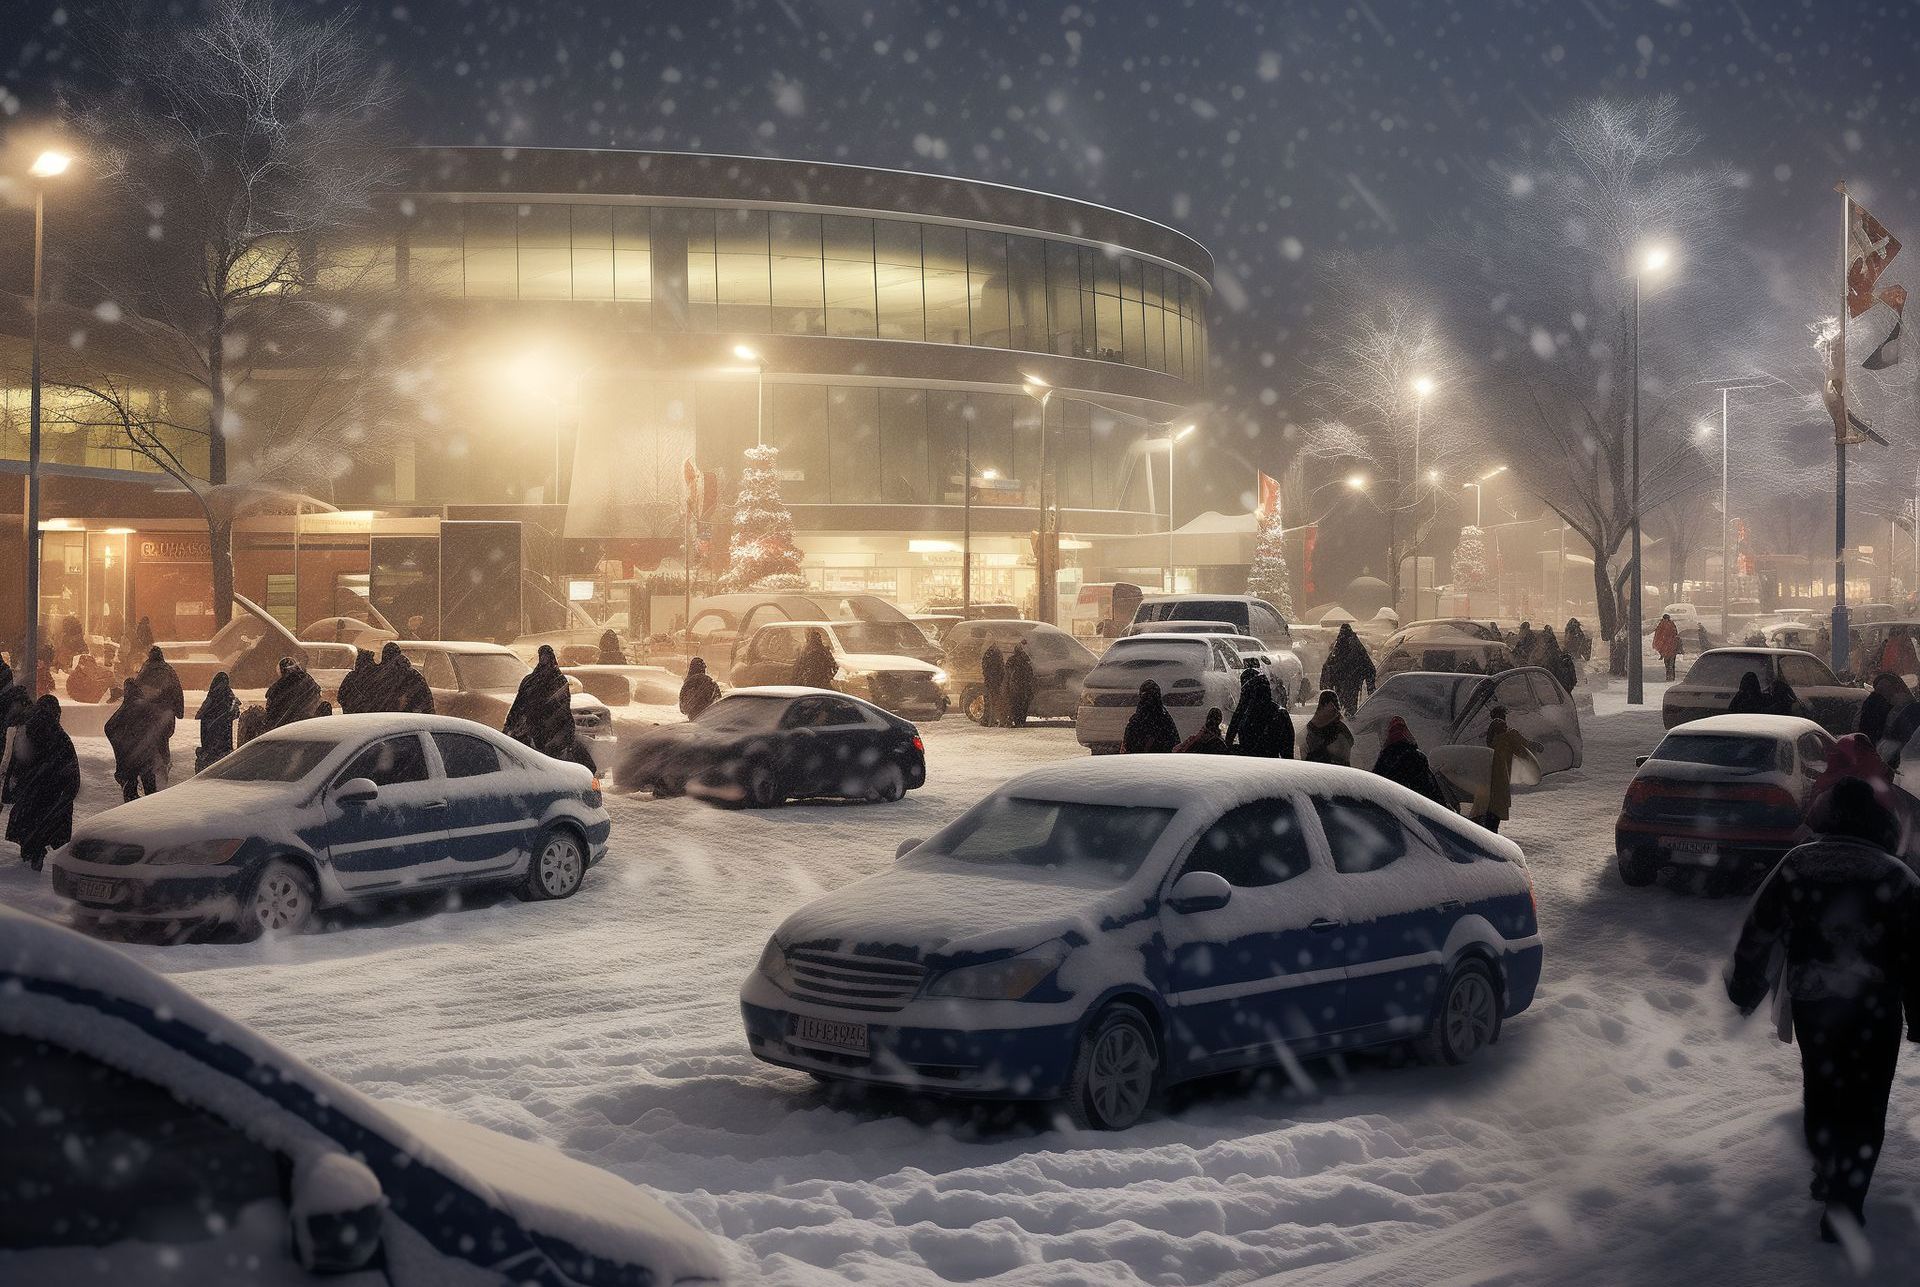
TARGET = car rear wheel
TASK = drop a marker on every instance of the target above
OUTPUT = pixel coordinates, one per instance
(1116, 1073)
(1638, 867)
(762, 789)
(889, 784)
(282, 901)
(974, 704)
(1468, 1019)
(559, 866)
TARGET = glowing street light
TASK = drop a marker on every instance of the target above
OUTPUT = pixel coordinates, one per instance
(50, 164)
(1423, 387)
(1652, 260)
(1356, 482)
(1477, 484)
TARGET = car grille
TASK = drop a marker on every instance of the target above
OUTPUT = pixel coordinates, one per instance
(104, 851)
(1116, 699)
(903, 688)
(853, 982)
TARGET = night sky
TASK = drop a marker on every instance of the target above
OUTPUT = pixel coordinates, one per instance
(1274, 133)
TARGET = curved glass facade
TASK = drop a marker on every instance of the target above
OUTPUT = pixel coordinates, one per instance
(759, 271)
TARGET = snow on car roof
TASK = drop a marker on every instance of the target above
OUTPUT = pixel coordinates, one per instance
(1782, 727)
(460, 646)
(340, 727)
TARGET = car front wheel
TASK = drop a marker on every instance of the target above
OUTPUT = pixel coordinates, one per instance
(889, 784)
(559, 865)
(1468, 1020)
(282, 901)
(1116, 1073)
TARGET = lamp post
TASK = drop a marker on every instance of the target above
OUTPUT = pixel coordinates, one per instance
(1653, 261)
(1423, 387)
(1477, 484)
(747, 353)
(48, 165)
(1048, 553)
(1173, 436)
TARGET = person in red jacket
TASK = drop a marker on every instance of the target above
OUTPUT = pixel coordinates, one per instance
(1666, 641)
(1898, 656)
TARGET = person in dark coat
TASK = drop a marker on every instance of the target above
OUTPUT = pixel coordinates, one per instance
(140, 731)
(45, 778)
(292, 696)
(136, 647)
(354, 685)
(1845, 915)
(814, 667)
(1577, 641)
(395, 686)
(698, 690)
(1209, 740)
(1700, 640)
(611, 654)
(993, 685)
(1019, 685)
(1328, 740)
(1748, 698)
(217, 714)
(1150, 730)
(1348, 668)
(89, 681)
(1523, 645)
(542, 713)
(73, 642)
(1401, 760)
(1781, 699)
(1259, 727)
(1890, 694)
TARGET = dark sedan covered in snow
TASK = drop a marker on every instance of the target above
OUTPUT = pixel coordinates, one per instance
(152, 1139)
(1097, 929)
(759, 747)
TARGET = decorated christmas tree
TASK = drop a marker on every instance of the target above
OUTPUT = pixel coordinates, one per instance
(762, 555)
(1470, 562)
(1268, 575)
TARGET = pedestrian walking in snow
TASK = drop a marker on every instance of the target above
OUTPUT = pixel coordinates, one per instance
(134, 649)
(993, 684)
(43, 779)
(1209, 740)
(1506, 744)
(1835, 929)
(1401, 760)
(1666, 642)
(1889, 694)
(611, 653)
(1348, 668)
(142, 729)
(1150, 729)
(1019, 685)
(1748, 698)
(1781, 699)
(356, 685)
(698, 690)
(814, 666)
(1577, 641)
(541, 716)
(1259, 727)
(395, 687)
(1328, 740)
(292, 696)
(89, 681)
(1897, 654)
(1524, 644)
(217, 714)
(1701, 642)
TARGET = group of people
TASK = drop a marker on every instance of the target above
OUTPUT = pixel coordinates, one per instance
(1530, 647)
(39, 771)
(1006, 686)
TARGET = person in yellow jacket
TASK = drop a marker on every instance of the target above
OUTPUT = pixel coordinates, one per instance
(1506, 743)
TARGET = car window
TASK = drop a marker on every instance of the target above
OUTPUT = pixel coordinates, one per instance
(1545, 690)
(1719, 750)
(1813, 754)
(390, 761)
(274, 759)
(1724, 670)
(1514, 694)
(744, 714)
(838, 714)
(464, 756)
(497, 671)
(1224, 657)
(708, 624)
(96, 1157)
(1456, 845)
(775, 645)
(1101, 843)
(1361, 835)
(1802, 671)
(435, 669)
(808, 712)
(1253, 845)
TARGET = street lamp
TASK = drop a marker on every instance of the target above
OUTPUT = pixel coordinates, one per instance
(1048, 553)
(748, 354)
(1652, 261)
(1477, 484)
(49, 164)
(1423, 387)
(1173, 436)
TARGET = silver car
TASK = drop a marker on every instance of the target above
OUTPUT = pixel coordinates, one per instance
(1194, 672)
(1715, 676)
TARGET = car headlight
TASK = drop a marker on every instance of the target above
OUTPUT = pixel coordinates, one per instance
(773, 965)
(203, 853)
(940, 678)
(1011, 979)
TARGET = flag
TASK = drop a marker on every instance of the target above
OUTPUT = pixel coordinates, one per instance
(1888, 354)
(1870, 248)
(1269, 504)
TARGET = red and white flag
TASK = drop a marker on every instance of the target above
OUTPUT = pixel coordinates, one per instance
(1269, 503)
(1888, 352)
(1870, 248)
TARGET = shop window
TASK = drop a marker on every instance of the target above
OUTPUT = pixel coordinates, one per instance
(902, 310)
(283, 604)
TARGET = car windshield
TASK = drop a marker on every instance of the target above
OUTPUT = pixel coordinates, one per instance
(1152, 654)
(743, 714)
(1426, 699)
(1719, 750)
(1190, 610)
(1725, 669)
(1101, 844)
(895, 637)
(271, 759)
(490, 670)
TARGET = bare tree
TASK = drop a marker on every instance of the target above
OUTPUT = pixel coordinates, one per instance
(241, 153)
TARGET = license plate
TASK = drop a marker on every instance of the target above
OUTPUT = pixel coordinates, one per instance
(830, 1032)
(1688, 846)
(95, 889)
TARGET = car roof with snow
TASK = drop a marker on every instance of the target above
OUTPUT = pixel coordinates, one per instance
(787, 692)
(1781, 727)
(339, 728)
(459, 647)
(1745, 651)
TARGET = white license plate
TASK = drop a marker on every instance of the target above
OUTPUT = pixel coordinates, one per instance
(1688, 846)
(95, 889)
(830, 1032)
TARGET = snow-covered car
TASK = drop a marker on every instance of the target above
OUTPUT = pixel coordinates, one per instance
(618, 685)
(1060, 665)
(1710, 683)
(249, 649)
(1182, 627)
(1096, 930)
(1726, 795)
(759, 747)
(478, 681)
(1447, 644)
(1247, 614)
(367, 632)
(1281, 667)
(895, 682)
(1446, 709)
(326, 812)
(151, 1138)
(1685, 615)
(1195, 672)
(722, 623)
(1797, 635)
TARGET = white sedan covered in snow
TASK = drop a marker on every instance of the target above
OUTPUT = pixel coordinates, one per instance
(343, 809)
(1095, 930)
(151, 1139)
(1194, 671)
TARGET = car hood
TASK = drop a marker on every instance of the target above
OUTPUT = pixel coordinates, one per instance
(197, 808)
(553, 1196)
(884, 661)
(940, 909)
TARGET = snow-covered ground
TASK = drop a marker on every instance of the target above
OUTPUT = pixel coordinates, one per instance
(1627, 1128)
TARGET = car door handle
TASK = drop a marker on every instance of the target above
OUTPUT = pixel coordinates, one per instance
(1323, 926)
(433, 804)
(1452, 905)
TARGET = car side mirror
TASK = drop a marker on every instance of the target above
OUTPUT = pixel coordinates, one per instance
(1200, 891)
(908, 846)
(356, 791)
(1639, 760)
(335, 1213)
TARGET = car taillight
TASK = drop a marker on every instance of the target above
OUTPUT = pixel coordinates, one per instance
(919, 745)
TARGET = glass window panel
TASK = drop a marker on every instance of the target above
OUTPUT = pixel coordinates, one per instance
(946, 283)
(848, 246)
(1072, 442)
(1132, 332)
(1107, 310)
(490, 269)
(546, 252)
(1129, 277)
(434, 251)
(1106, 273)
(853, 428)
(592, 252)
(896, 248)
(1198, 370)
(743, 290)
(903, 446)
(1151, 286)
(797, 425)
(741, 232)
(798, 305)
(1089, 332)
(1188, 357)
(1156, 346)
(949, 416)
(702, 285)
(632, 254)
(1063, 298)
(987, 287)
(1027, 294)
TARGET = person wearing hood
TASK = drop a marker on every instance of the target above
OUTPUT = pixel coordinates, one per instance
(292, 696)
(352, 696)
(1577, 641)
(89, 681)
(1209, 740)
(217, 713)
(395, 686)
(1781, 699)
(1666, 642)
(1748, 698)
(1259, 727)
(1836, 929)
(1019, 685)
(1524, 644)
(1890, 694)
(542, 713)
(611, 653)
(698, 690)
(15, 704)
(1348, 668)
(44, 779)
(142, 729)
(814, 667)
(993, 686)
(1897, 655)
(136, 646)
(1506, 744)
(1328, 739)
(1150, 729)
(1401, 760)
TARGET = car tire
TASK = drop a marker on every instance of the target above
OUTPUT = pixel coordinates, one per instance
(1116, 1073)
(762, 789)
(1467, 1019)
(973, 704)
(1638, 867)
(281, 900)
(889, 784)
(557, 868)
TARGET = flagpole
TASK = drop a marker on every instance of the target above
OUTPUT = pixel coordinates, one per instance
(1841, 653)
